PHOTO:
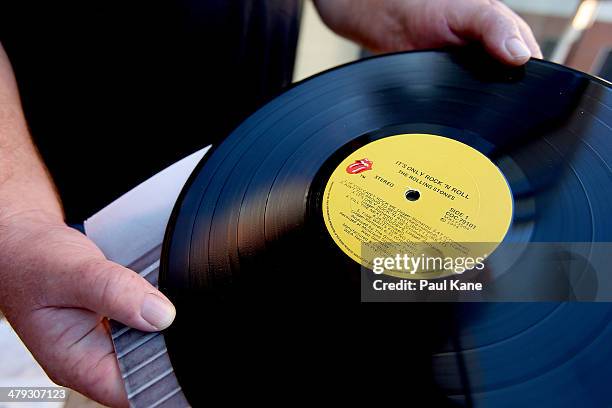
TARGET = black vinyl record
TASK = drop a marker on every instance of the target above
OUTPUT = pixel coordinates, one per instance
(248, 230)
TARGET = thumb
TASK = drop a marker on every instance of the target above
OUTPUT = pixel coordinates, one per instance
(501, 32)
(121, 294)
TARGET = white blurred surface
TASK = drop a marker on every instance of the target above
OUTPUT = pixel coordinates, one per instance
(559, 8)
(19, 369)
(319, 48)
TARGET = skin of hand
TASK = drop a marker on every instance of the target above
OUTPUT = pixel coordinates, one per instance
(56, 286)
(400, 25)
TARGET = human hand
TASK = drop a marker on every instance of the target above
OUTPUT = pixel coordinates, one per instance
(398, 25)
(55, 288)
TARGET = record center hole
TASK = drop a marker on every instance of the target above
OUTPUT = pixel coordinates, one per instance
(412, 195)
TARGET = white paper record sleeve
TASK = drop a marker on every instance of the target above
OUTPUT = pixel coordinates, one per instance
(130, 231)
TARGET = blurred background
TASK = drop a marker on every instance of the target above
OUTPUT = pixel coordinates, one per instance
(571, 32)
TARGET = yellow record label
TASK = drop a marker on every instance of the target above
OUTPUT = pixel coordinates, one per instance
(417, 195)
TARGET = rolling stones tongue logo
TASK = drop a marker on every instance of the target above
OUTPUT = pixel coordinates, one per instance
(359, 166)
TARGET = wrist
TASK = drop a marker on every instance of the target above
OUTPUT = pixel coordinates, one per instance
(29, 195)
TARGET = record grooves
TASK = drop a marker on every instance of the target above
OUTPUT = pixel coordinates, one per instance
(249, 229)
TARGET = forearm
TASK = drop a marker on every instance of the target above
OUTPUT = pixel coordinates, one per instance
(25, 185)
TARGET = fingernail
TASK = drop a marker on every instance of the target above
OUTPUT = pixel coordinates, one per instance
(157, 312)
(517, 48)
